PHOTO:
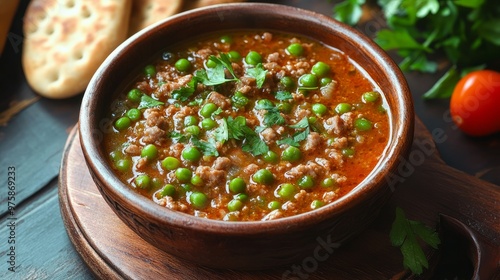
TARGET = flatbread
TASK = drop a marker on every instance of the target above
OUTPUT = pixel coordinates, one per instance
(7, 12)
(147, 12)
(203, 3)
(67, 40)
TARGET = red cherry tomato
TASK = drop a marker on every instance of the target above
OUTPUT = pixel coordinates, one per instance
(475, 103)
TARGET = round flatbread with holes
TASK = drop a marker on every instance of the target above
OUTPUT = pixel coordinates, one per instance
(67, 40)
(147, 12)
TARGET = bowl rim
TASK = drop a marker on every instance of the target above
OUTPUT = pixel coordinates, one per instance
(146, 207)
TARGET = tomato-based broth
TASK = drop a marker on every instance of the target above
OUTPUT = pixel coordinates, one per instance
(245, 126)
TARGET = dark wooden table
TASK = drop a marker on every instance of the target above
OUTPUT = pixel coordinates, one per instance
(32, 142)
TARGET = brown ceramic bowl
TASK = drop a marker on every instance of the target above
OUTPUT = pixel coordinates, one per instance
(245, 245)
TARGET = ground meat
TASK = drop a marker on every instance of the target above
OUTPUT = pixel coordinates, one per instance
(329, 196)
(204, 53)
(170, 203)
(301, 113)
(269, 135)
(246, 85)
(313, 142)
(211, 177)
(256, 189)
(170, 111)
(310, 168)
(220, 100)
(176, 150)
(251, 168)
(154, 135)
(339, 143)
(301, 195)
(334, 125)
(133, 149)
(275, 214)
(222, 163)
(267, 37)
(273, 67)
(324, 163)
(335, 157)
(141, 163)
(348, 119)
(273, 57)
(154, 117)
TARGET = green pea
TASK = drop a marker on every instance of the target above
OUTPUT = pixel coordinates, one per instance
(183, 174)
(286, 191)
(291, 154)
(328, 182)
(168, 190)
(263, 176)
(122, 123)
(295, 49)
(208, 124)
(265, 103)
(308, 80)
(317, 204)
(287, 82)
(234, 56)
(370, 96)
(170, 163)
(198, 200)
(362, 124)
(319, 109)
(342, 108)
(270, 157)
(285, 107)
(312, 119)
(241, 197)
(325, 81)
(306, 182)
(115, 155)
(134, 95)
(226, 39)
(210, 63)
(123, 165)
(143, 181)
(273, 205)
(348, 152)
(196, 180)
(182, 65)
(190, 120)
(150, 71)
(192, 130)
(208, 109)
(134, 114)
(234, 205)
(237, 185)
(149, 151)
(320, 69)
(191, 153)
(239, 99)
(253, 58)
(156, 182)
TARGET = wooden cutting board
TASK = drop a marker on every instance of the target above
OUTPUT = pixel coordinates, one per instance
(428, 191)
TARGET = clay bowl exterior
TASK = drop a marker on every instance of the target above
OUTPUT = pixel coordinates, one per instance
(245, 245)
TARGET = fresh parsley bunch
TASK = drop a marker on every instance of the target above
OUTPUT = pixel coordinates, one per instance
(466, 32)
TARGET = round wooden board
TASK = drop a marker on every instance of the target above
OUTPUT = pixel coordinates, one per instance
(427, 188)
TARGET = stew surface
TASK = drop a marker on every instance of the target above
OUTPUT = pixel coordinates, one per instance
(249, 125)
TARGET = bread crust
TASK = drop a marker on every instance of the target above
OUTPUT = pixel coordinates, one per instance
(67, 40)
(147, 12)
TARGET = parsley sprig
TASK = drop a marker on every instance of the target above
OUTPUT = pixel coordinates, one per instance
(466, 32)
(405, 235)
(148, 102)
(298, 136)
(272, 116)
(217, 74)
(238, 130)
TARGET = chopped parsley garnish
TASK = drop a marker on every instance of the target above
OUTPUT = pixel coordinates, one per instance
(272, 115)
(237, 129)
(221, 133)
(259, 73)
(404, 234)
(149, 102)
(298, 136)
(254, 145)
(183, 94)
(208, 148)
(178, 137)
(216, 75)
(283, 95)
